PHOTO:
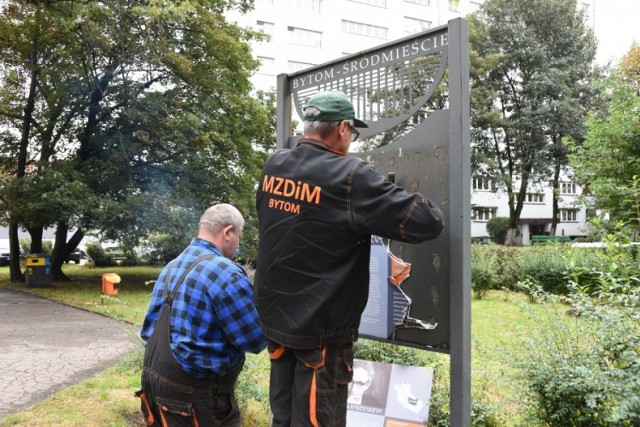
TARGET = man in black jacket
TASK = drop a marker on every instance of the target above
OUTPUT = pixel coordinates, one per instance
(317, 209)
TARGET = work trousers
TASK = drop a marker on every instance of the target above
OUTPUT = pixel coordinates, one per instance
(166, 403)
(309, 387)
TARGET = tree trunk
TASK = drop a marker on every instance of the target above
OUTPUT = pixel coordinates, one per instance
(556, 193)
(36, 239)
(16, 274)
(62, 249)
(14, 242)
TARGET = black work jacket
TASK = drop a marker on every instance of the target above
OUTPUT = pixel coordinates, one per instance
(317, 210)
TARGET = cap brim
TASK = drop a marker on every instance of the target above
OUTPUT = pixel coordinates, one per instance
(359, 123)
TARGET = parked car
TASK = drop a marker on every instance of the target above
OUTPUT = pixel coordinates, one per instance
(76, 256)
(4, 256)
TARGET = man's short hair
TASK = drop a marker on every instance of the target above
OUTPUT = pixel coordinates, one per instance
(219, 216)
(312, 126)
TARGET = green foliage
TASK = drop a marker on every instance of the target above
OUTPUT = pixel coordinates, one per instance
(140, 116)
(483, 412)
(502, 263)
(482, 275)
(497, 228)
(252, 390)
(544, 265)
(607, 160)
(25, 246)
(582, 372)
(163, 248)
(531, 68)
(611, 273)
(99, 257)
(387, 353)
(531, 289)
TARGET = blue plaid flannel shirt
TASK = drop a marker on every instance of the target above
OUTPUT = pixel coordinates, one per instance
(213, 319)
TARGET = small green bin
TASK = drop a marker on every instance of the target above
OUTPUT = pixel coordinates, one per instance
(38, 270)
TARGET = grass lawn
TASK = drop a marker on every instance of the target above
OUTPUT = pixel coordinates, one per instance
(107, 399)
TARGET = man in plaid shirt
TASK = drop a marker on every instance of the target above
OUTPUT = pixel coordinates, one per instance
(201, 320)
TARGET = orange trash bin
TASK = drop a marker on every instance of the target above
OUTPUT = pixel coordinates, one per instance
(110, 283)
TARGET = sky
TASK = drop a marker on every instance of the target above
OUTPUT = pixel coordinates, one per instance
(616, 25)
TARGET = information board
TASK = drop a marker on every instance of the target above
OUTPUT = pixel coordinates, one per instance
(387, 305)
(388, 395)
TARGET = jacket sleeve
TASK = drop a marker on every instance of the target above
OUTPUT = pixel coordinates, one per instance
(381, 208)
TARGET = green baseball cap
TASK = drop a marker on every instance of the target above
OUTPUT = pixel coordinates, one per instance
(333, 106)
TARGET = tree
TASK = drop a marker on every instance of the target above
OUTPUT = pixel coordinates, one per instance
(531, 65)
(497, 228)
(608, 161)
(149, 108)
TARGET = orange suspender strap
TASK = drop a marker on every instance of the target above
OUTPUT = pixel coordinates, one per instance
(277, 353)
(150, 419)
(312, 401)
(313, 392)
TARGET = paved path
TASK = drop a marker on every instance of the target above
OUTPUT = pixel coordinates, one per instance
(46, 346)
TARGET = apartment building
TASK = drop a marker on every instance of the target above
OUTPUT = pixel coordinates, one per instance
(305, 33)
(488, 201)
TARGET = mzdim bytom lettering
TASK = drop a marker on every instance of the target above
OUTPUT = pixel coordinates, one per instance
(285, 187)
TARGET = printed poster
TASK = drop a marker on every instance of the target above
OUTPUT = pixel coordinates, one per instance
(386, 305)
(383, 394)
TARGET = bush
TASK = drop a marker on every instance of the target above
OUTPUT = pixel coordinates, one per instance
(503, 263)
(25, 246)
(164, 248)
(99, 257)
(483, 413)
(482, 276)
(387, 353)
(583, 373)
(545, 265)
(497, 228)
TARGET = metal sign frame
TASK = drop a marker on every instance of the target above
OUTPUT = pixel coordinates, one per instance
(381, 83)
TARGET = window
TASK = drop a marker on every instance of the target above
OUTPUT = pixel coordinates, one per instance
(267, 65)
(534, 198)
(568, 215)
(454, 4)
(266, 27)
(420, 2)
(310, 6)
(473, 5)
(379, 3)
(293, 66)
(364, 29)
(567, 188)
(483, 213)
(413, 25)
(482, 183)
(305, 37)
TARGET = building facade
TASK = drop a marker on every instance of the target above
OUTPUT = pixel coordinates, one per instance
(489, 201)
(306, 33)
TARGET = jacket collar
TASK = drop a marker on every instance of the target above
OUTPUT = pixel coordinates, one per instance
(320, 144)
